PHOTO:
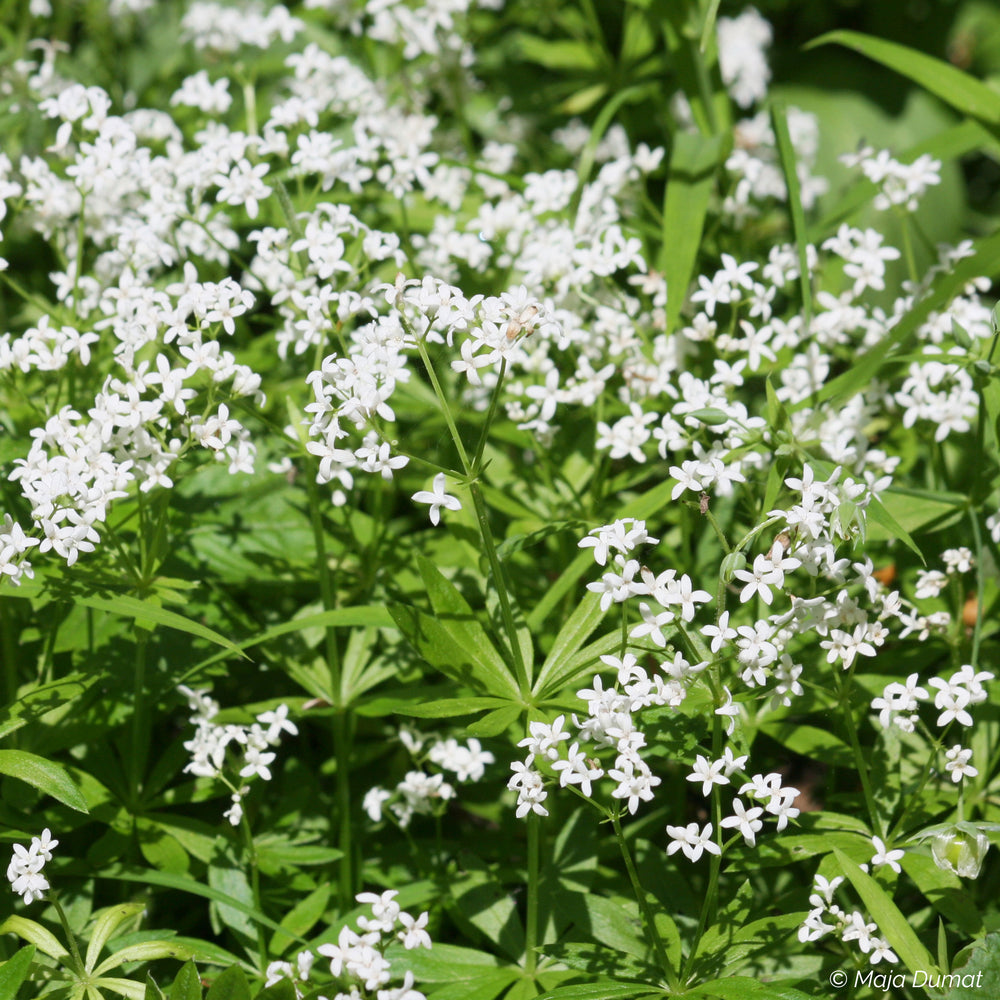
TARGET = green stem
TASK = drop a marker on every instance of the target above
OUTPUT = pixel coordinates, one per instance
(717, 528)
(442, 399)
(138, 745)
(251, 855)
(647, 914)
(9, 655)
(77, 961)
(911, 264)
(531, 919)
(340, 722)
(477, 460)
(342, 747)
(709, 904)
(482, 518)
(860, 762)
(977, 630)
(501, 584)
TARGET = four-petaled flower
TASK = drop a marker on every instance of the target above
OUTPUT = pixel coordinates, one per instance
(437, 498)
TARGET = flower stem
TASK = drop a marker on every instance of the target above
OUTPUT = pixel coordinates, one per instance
(647, 914)
(489, 545)
(78, 966)
(531, 918)
(251, 854)
(137, 743)
(859, 757)
(340, 727)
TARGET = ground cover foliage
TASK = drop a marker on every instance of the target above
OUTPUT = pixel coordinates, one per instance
(500, 499)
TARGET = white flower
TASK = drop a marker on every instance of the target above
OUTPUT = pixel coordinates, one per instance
(691, 842)
(25, 869)
(746, 820)
(437, 498)
(884, 857)
(372, 803)
(958, 763)
(708, 773)
(413, 934)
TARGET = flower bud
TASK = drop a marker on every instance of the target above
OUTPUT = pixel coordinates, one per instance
(960, 852)
(711, 415)
(732, 562)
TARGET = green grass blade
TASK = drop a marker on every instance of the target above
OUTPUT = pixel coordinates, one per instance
(694, 162)
(963, 92)
(786, 152)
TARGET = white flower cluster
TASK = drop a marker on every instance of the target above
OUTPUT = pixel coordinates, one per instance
(742, 62)
(826, 514)
(756, 168)
(953, 697)
(900, 184)
(431, 29)
(421, 793)
(224, 28)
(25, 869)
(849, 926)
(359, 959)
(210, 743)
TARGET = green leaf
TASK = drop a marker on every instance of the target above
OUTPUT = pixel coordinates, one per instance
(945, 892)
(282, 990)
(159, 848)
(484, 986)
(564, 585)
(485, 904)
(494, 723)
(446, 963)
(107, 922)
(915, 511)
(979, 977)
(437, 644)
(575, 631)
(206, 952)
(891, 923)
(153, 992)
(555, 53)
(129, 607)
(169, 880)
(52, 779)
(34, 933)
(810, 741)
(738, 987)
(14, 972)
(877, 514)
(777, 415)
(144, 951)
(786, 153)
(227, 875)
(985, 261)
(583, 99)
(187, 985)
(694, 161)
(606, 989)
(963, 92)
(127, 988)
(597, 958)
(43, 699)
(373, 615)
(454, 612)
(444, 708)
(231, 985)
(301, 918)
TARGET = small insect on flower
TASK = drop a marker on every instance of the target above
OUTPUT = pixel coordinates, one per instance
(703, 503)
